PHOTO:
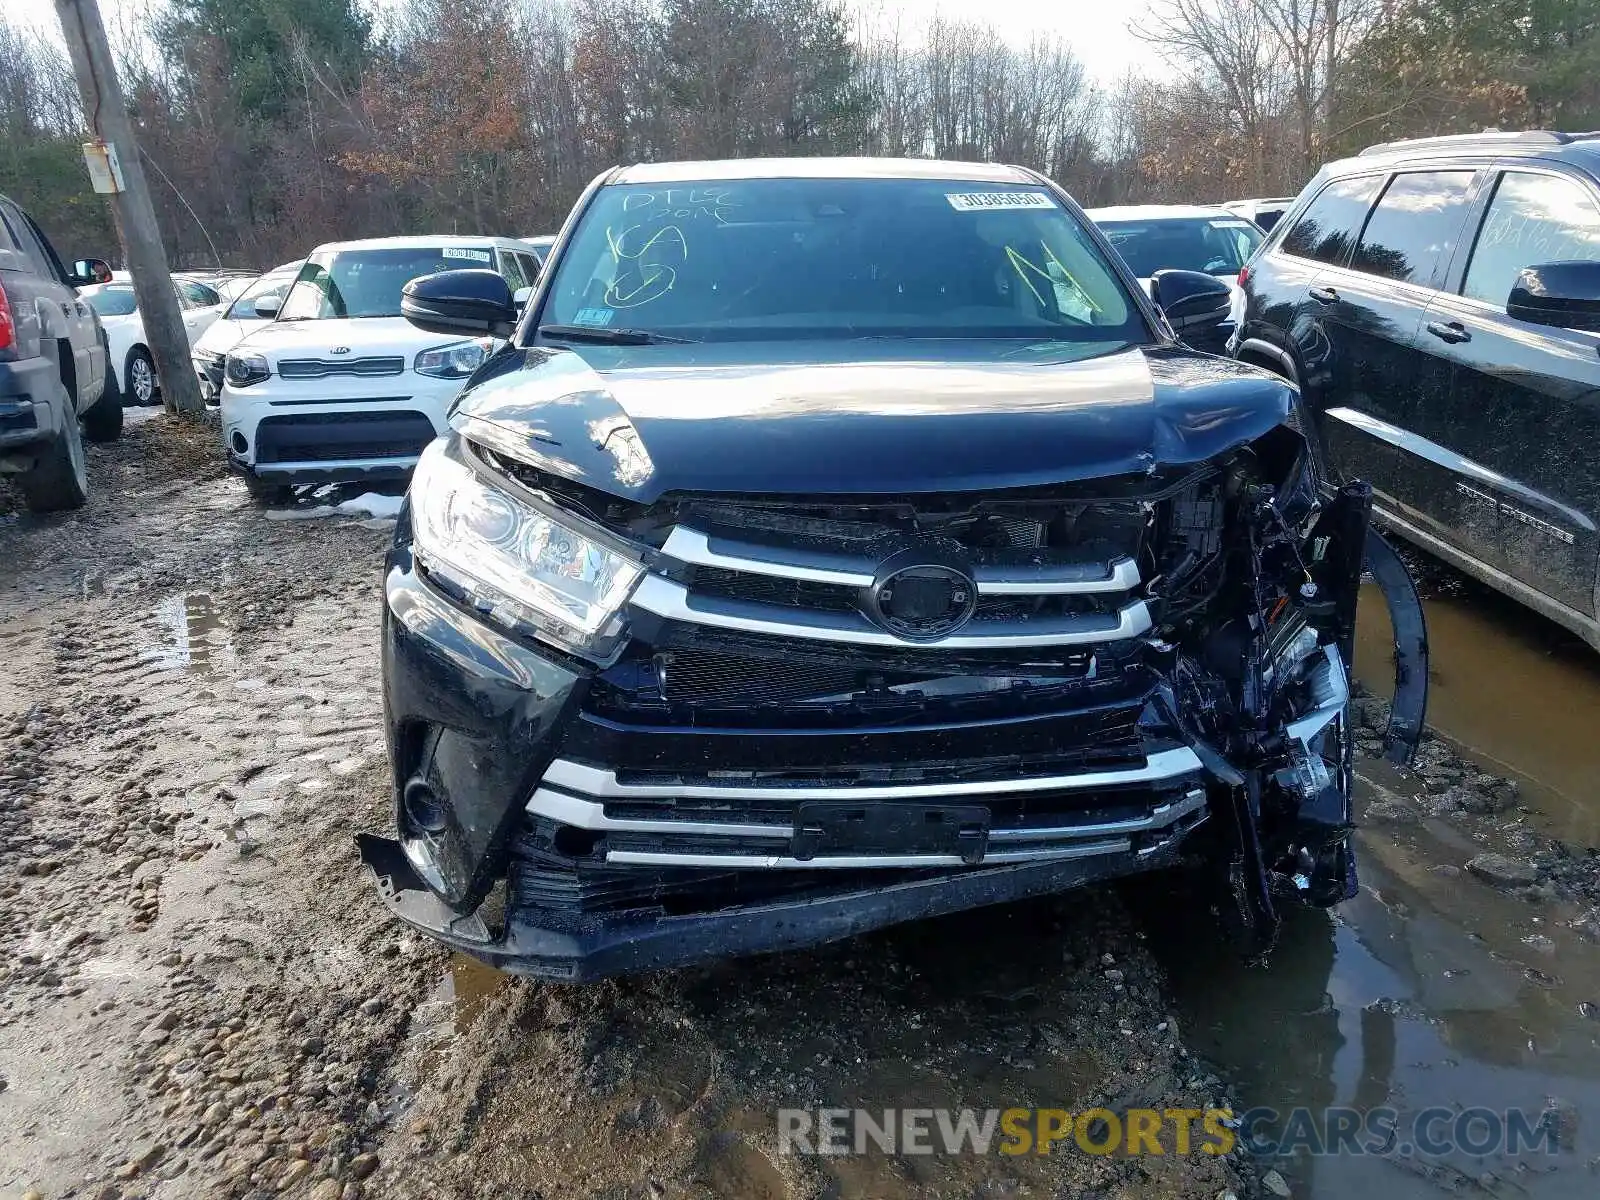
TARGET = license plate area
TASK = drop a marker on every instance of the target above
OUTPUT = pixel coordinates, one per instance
(834, 827)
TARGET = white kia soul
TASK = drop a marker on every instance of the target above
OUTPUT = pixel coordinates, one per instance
(341, 387)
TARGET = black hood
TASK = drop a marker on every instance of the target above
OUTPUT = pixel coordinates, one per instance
(802, 419)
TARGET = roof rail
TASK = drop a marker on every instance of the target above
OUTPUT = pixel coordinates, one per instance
(1488, 137)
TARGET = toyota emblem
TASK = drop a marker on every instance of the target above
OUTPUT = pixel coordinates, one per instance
(921, 597)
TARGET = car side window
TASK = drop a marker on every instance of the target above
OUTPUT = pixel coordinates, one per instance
(56, 267)
(1410, 232)
(1531, 219)
(1328, 229)
(530, 268)
(28, 243)
(511, 268)
(8, 234)
(197, 295)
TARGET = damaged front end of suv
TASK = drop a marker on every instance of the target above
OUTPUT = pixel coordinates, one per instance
(694, 650)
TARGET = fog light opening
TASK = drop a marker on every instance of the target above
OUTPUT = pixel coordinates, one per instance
(422, 807)
(574, 842)
(239, 443)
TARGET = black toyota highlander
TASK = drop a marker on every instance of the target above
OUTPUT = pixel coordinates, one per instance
(840, 542)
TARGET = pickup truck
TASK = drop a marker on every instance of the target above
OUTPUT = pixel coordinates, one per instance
(53, 391)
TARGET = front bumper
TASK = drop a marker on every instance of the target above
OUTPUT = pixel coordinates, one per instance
(607, 870)
(208, 373)
(332, 430)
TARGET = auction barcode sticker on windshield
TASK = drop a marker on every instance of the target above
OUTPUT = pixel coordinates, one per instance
(983, 201)
(463, 252)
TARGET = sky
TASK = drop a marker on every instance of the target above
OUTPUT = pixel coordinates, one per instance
(1097, 30)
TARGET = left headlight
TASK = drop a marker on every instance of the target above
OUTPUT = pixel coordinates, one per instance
(455, 361)
(244, 369)
(520, 565)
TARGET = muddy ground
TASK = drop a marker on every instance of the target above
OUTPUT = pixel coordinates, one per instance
(200, 996)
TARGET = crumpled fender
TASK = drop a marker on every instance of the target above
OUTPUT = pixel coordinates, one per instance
(1409, 708)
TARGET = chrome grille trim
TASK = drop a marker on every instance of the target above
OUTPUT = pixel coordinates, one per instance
(690, 546)
(672, 601)
(600, 782)
(778, 862)
(590, 814)
(372, 366)
(695, 548)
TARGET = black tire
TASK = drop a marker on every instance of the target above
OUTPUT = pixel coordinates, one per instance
(60, 478)
(139, 386)
(103, 422)
(265, 492)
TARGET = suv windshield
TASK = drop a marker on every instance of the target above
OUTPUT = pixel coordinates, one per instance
(367, 283)
(111, 300)
(274, 283)
(1217, 245)
(758, 259)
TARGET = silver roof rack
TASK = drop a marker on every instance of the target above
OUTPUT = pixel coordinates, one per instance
(1488, 137)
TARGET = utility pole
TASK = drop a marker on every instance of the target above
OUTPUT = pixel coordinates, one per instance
(107, 115)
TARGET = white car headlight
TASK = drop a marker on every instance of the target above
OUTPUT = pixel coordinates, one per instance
(519, 565)
(245, 369)
(455, 361)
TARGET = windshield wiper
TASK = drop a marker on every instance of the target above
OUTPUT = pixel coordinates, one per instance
(610, 337)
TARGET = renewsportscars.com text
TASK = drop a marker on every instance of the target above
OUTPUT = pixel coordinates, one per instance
(1162, 1131)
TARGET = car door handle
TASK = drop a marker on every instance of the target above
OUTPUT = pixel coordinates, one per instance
(1451, 332)
(1324, 295)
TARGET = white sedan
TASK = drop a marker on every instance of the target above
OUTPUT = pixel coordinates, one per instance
(253, 303)
(129, 363)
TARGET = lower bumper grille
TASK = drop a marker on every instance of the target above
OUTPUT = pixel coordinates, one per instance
(326, 437)
(760, 823)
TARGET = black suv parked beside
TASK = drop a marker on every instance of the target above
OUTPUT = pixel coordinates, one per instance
(1438, 302)
(838, 542)
(52, 367)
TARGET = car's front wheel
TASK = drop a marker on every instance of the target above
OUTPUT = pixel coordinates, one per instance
(60, 478)
(139, 378)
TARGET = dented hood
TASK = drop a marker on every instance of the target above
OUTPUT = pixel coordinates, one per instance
(860, 417)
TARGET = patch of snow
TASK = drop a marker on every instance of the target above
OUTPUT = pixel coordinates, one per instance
(368, 504)
(139, 414)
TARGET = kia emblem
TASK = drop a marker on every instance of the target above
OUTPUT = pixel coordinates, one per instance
(340, 350)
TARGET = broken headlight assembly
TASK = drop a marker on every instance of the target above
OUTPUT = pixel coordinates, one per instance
(522, 566)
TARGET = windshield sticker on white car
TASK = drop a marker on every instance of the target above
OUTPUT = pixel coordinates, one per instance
(594, 316)
(463, 252)
(990, 201)
(1233, 223)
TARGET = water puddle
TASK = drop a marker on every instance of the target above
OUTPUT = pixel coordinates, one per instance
(1511, 691)
(192, 628)
(1430, 988)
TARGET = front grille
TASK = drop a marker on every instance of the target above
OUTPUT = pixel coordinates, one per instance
(328, 437)
(698, 677)
(811, 582)
(589, 817)
(321, 368)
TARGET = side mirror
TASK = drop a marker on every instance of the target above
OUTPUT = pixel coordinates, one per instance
(1562, 294)
(90, 270)
(1192, 301)
(519, 299)
(469, 303)
(267, 307)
